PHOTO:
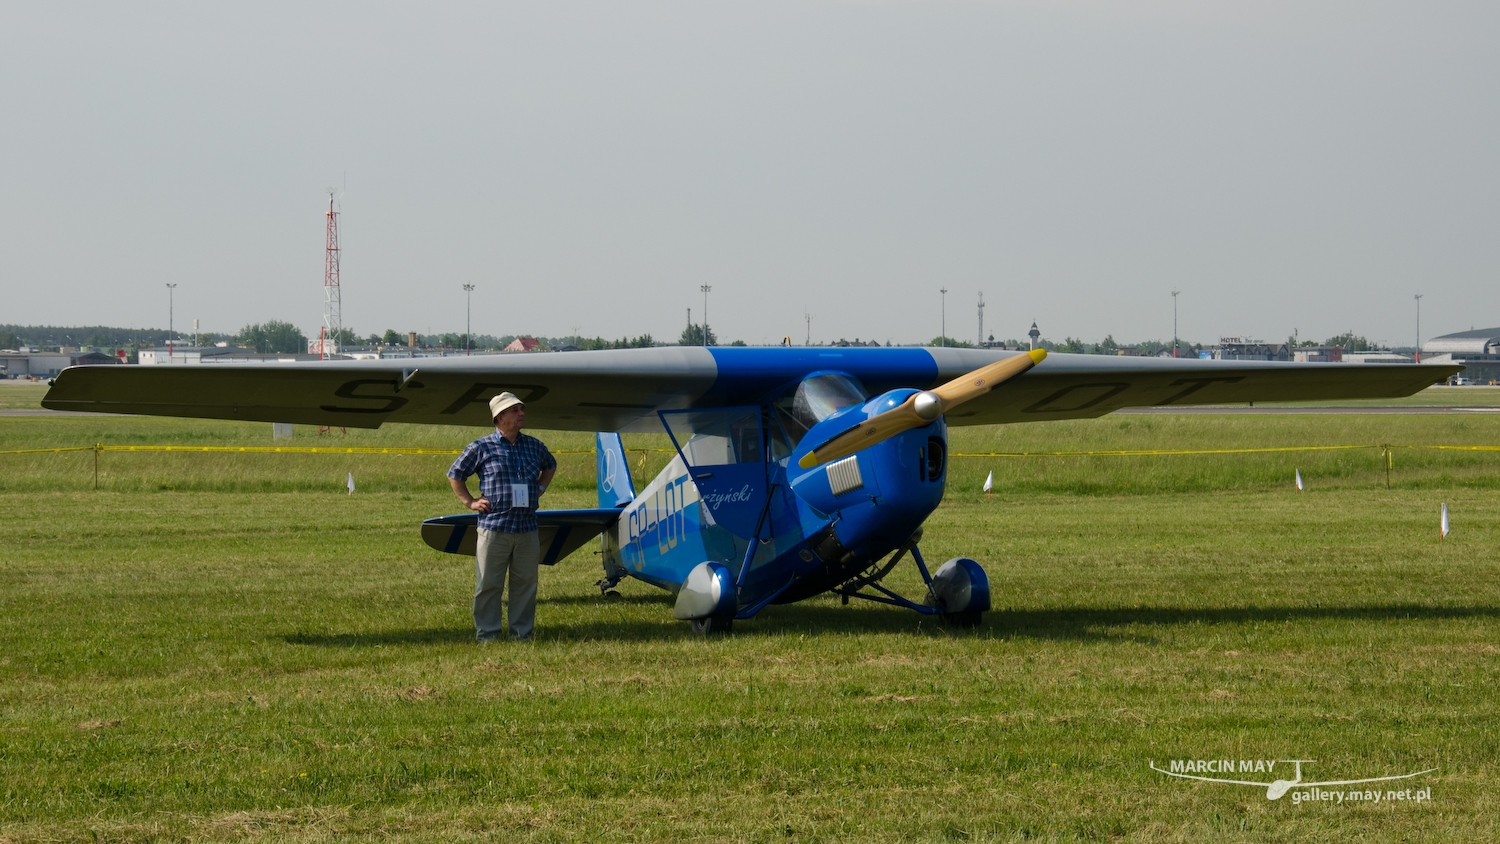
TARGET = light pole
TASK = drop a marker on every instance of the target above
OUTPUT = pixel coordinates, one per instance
(1174, 322)
(468, 311)
(1416, 354)
(705, 288)
(980, 341)
(171, 291)
(943, 325)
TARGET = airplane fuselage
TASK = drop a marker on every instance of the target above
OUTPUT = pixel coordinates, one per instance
(784, 532)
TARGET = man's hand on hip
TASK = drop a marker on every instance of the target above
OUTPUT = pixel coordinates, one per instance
(461, 489)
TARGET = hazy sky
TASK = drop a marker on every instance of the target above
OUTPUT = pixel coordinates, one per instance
(1285, 165)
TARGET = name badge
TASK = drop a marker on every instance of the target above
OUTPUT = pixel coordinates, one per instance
(520, 495)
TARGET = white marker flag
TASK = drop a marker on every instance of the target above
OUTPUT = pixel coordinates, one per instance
(1444, 534)
(989, 482)
(1299, 479)
(351, 483)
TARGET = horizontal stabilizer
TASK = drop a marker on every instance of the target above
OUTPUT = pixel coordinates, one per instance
(561, 531)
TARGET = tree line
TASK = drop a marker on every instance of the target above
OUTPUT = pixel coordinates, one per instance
(101, 336)
(276, 336)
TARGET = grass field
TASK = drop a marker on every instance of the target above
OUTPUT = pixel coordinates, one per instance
(230, 647)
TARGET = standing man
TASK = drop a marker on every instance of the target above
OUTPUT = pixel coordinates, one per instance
(514, 470)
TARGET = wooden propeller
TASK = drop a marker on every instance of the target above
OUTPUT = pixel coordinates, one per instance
(921, 408)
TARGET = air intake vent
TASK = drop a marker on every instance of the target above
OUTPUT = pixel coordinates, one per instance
(843, 476)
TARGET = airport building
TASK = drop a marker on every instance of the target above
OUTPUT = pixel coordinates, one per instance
(29, 363)
(230, 355)
(1234, 348)
(1478, 350)
(1318, 354)
(195, 355)
(1376, 357)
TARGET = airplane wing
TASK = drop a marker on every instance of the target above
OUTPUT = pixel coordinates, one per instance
(621, 390)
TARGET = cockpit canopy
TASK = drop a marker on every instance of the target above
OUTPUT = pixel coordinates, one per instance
(812, 400)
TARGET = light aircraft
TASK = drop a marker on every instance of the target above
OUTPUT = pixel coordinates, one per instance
(798, 471)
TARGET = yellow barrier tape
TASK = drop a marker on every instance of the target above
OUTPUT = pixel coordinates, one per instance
(274, 449)
(1175, 451)
(1148, 452)
(282, 449)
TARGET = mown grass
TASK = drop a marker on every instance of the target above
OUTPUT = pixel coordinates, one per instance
(15, 393)
(253, 654)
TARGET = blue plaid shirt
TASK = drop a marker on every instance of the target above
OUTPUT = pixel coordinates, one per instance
(500, 463)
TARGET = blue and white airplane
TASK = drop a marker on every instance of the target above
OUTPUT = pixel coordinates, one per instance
(799, 471)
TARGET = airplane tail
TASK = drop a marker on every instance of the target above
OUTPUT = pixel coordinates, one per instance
(615, 486)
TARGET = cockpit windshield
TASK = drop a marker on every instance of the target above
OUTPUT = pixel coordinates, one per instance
(813, 400)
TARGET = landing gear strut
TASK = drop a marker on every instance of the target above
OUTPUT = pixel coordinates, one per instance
(958, 592)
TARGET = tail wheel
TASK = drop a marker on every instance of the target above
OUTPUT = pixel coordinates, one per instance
(714, 624)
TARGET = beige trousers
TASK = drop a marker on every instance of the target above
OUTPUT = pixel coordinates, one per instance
(519, 554)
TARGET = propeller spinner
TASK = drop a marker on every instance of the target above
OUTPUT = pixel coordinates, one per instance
(921, 408)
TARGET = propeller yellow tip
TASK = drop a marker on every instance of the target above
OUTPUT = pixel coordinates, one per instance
(808, 460)
(1037, 355)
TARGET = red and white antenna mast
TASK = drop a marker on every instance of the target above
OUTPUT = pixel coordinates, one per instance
(333, 319)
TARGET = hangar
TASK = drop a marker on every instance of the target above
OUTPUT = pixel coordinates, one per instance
(1478, 349)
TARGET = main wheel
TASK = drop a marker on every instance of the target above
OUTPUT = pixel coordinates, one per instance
(962, 619)
(713, 624)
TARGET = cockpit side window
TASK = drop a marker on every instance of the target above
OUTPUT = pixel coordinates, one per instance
(716, 437)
